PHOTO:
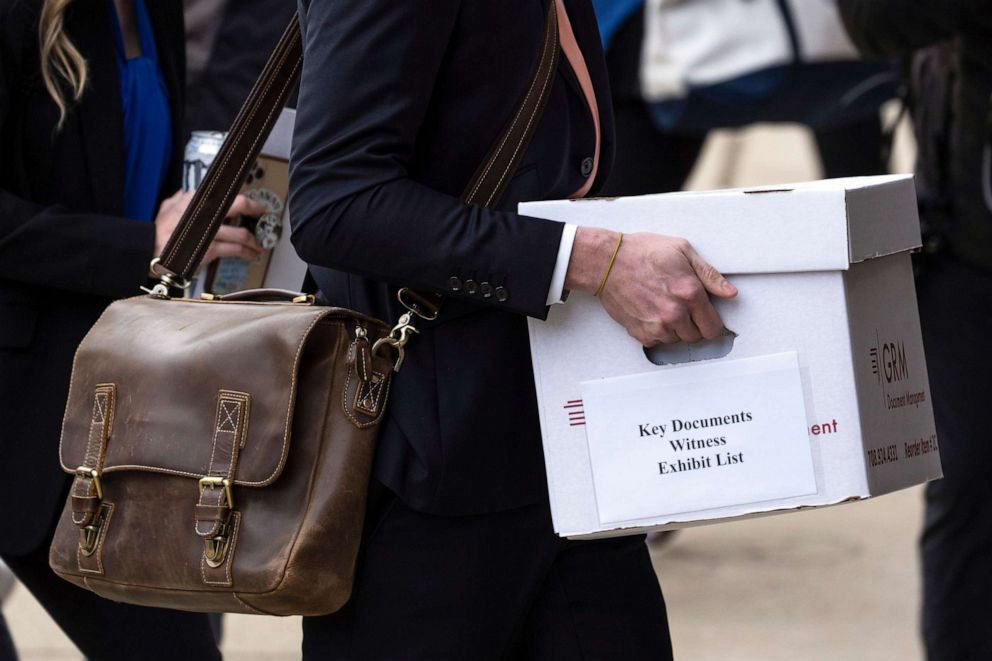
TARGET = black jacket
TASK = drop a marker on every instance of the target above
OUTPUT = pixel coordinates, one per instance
(899, 27)
(65, 252)
(240, 50)
(399, 104)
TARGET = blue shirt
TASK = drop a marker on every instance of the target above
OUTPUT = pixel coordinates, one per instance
(147, 119)
(612, 14)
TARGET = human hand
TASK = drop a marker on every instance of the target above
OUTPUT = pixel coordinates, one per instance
(658, 287)
(230, 241)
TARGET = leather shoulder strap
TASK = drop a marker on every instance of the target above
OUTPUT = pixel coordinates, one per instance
(199, 224)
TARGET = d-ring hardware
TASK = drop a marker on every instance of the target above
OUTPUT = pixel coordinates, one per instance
(419, 304)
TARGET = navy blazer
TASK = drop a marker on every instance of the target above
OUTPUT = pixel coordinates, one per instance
(399, 104)
(65, 252)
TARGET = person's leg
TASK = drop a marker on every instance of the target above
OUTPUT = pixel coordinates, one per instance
(601, 600)
(7, 650)
(956, 545)
(104, 630)
(852, 150)
(437, 588)
(647, 160)
(475, 587)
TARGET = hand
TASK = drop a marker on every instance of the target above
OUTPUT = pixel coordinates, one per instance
(658, 288)
(230, 241)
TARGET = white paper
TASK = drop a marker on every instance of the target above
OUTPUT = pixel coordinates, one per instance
(698, 437)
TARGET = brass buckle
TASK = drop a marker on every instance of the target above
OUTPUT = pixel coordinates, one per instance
(218, 482)
(215, 548)
(93, 474)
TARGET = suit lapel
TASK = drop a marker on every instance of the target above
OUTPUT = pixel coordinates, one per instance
(100, 111)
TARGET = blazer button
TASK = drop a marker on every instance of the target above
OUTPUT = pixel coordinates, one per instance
(587, 164)
(471, 287)
(502, 295)
(455, 283)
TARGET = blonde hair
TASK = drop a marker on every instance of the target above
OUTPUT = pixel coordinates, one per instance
(63, 68)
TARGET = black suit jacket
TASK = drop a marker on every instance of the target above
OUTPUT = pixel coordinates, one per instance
(948, 174)
(399, 104)
(65, 252)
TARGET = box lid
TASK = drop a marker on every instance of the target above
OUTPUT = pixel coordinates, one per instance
(814, 226)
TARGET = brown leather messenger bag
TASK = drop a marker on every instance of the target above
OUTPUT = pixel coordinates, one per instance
(222, 447)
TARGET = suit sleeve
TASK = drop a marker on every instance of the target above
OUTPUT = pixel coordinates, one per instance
(897, 27)
(369, 70)
(52, 247)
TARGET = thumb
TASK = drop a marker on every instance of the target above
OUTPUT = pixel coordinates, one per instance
(712, 279)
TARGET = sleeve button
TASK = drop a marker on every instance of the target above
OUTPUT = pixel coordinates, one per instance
(455, 283)
(471, 287)
(502, 295)
(486, 289)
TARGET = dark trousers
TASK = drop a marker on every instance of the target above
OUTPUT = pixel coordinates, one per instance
(493, 586)
(7, 651)
(105, 630)
(652, 161)
(956, 311)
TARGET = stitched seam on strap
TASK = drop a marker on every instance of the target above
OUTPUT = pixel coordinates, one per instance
(520, 110)
(237, 183)
(520, 143)
(185, 230)
(240, 402)
(347, 412)
(101, 420)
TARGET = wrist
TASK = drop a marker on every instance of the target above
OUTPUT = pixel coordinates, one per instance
(591, 254)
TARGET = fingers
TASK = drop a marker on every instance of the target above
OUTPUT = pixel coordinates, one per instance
(239, 235)
(707, 320)
(245, 206)
(654, 337)
(226, 249)
(233, 241)
(712, 280)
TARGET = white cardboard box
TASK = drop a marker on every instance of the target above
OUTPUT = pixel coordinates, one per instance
(821, 396)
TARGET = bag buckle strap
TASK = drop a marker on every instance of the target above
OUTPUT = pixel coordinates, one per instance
(215, 505)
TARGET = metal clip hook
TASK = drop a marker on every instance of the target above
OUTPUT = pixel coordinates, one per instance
(397, 339)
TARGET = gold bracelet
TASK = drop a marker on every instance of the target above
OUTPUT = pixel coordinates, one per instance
(609, 268)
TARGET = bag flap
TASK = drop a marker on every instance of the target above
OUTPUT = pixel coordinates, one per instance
(170, 363)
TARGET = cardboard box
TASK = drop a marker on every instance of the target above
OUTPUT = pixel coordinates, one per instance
(268, 183)
(817, 395)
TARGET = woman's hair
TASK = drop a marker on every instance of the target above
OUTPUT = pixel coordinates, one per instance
(63, 68)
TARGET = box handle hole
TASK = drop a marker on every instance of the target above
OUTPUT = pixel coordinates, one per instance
(682, 353)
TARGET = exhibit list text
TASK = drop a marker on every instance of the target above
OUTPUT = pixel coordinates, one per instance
(687, 444)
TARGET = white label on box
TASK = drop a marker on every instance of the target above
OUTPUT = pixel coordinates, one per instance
(698, 437)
